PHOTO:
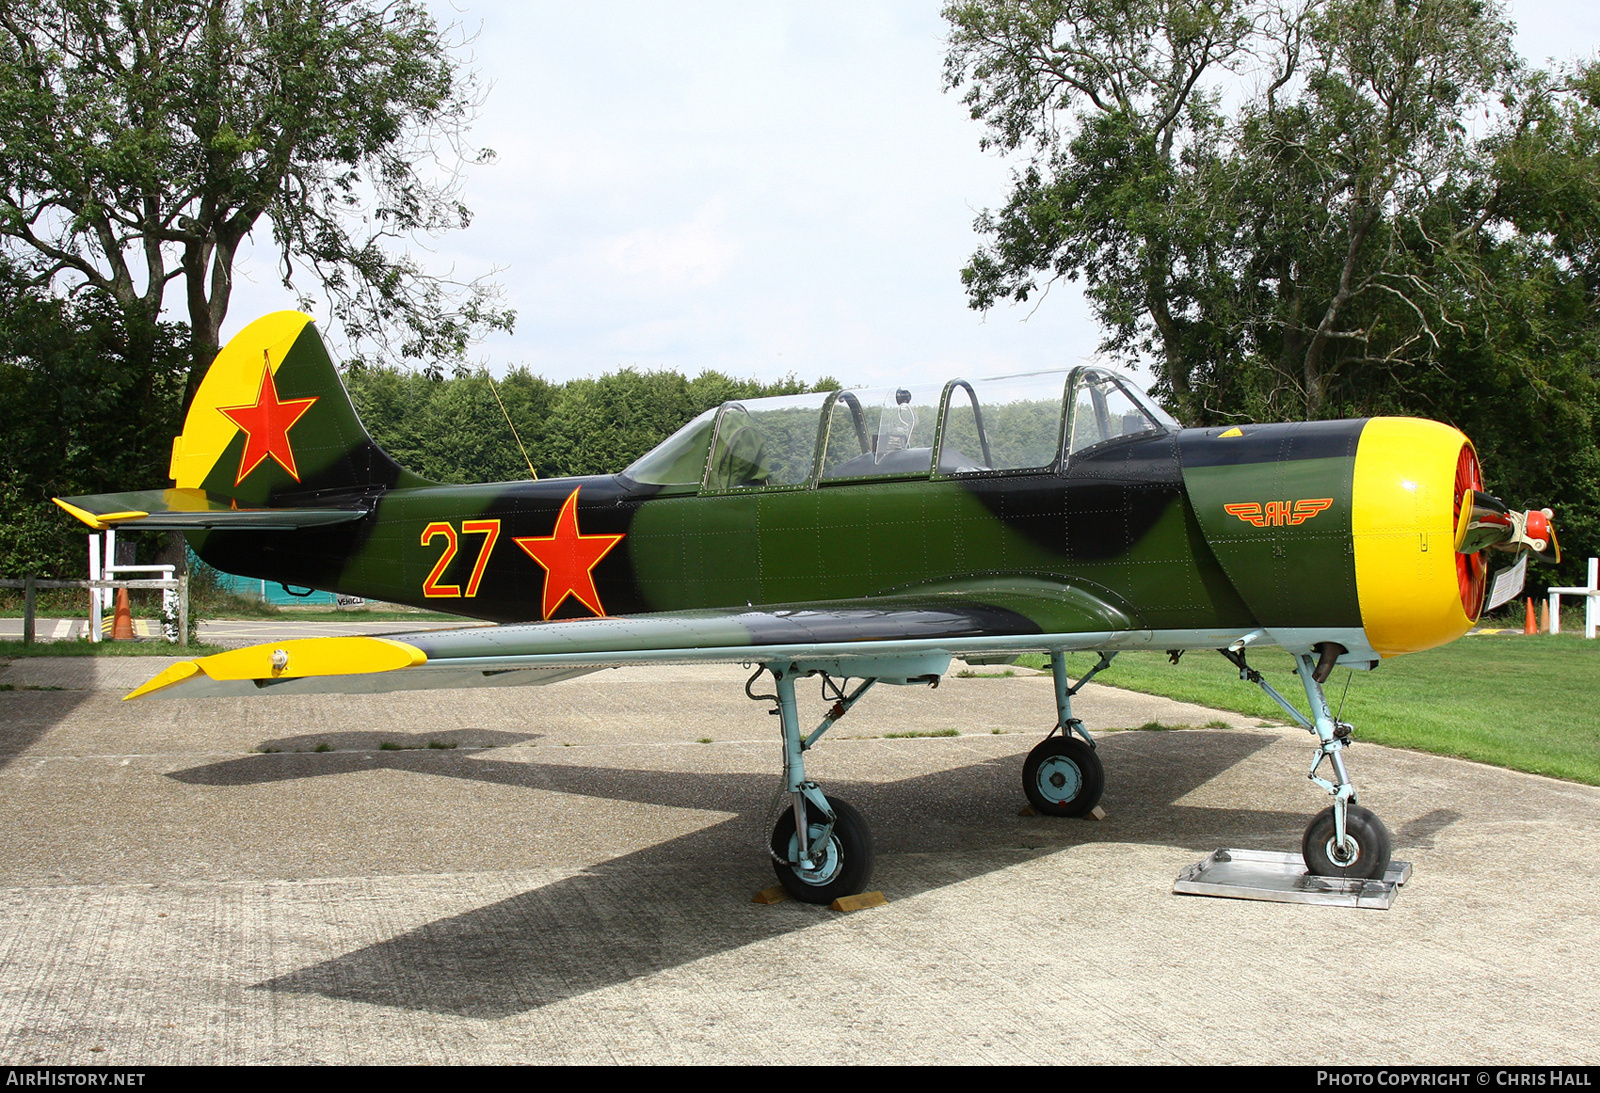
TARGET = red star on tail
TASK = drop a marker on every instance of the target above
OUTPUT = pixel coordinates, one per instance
(569, 559)
(266, 426)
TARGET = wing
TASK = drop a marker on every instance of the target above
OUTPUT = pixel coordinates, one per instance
(892, 636)
(195, 510)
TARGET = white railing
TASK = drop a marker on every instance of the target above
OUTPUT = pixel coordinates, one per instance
(103, 581)
(1591, 607)
(100, 596)
(177, 586)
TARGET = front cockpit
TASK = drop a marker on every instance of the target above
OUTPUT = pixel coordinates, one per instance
(1026, 424)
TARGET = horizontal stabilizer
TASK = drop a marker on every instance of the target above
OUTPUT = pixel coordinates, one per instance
(195, 510)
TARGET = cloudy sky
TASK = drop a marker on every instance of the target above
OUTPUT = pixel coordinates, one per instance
(759, 188)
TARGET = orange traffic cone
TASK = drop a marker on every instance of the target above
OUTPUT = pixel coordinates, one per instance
(122, 621)
(1529, 626)
(1544, 617)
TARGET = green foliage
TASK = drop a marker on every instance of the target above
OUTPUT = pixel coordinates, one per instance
(453, 430)
(1387, 212)
(143, 142)
(91, 406)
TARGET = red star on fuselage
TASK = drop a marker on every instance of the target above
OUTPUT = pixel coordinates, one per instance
(266, 424)
(569, 558)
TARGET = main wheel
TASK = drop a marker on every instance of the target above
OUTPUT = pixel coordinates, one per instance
(1365, 855)
(845, 864)
(1063, 777)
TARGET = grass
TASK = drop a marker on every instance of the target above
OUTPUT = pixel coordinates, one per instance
(12, 650)
(1523, 702)
(916, 735)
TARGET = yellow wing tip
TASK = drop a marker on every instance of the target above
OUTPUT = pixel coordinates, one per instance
(292, 659)
(175, 673)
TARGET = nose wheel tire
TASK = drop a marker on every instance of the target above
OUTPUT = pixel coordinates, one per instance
(1063, 777)
(1365, 854)
(843, 866)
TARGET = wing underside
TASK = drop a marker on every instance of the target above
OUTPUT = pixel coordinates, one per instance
(859, 640)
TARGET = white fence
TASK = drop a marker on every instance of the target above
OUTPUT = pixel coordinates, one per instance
(103, 582)
(1591, 607)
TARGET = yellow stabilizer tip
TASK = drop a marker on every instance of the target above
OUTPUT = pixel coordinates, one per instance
(103, 520)
(294, 659)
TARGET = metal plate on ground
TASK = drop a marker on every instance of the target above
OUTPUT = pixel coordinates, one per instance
(1282, 878)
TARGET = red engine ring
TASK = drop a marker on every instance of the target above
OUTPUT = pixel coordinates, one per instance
(1471, 569)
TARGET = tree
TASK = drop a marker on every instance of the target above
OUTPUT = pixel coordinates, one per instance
(87, 410)
(1259, 245)
(454, 431)
(145, 139)
(1310, 208)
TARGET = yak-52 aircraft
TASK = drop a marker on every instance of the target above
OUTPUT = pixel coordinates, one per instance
(853, 535)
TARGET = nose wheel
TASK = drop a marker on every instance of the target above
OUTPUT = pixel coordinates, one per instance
(1364, 854)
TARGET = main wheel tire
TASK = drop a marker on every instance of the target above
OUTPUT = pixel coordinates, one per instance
(1063, 777)
(846, 865)
(1365, 860)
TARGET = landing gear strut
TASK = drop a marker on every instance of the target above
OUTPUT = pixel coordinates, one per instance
(821, 847)
(1344, 839)
(1063, 775)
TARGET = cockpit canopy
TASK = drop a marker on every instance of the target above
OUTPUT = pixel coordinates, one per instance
(1011, 424)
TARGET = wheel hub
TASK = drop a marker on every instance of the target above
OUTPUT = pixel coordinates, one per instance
(1060, 779)
(1346, 855)
(825, 861)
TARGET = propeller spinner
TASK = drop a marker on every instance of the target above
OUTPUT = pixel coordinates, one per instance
(1485, 522)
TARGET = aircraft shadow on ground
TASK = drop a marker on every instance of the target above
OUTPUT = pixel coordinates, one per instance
(687, 899)
(369, 740)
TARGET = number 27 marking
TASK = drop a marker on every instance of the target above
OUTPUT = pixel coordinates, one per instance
(489, 529)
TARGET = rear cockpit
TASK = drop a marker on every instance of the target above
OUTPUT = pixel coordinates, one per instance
(1026, 424)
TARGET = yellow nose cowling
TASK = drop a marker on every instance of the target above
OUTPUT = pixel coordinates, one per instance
(1415, 591)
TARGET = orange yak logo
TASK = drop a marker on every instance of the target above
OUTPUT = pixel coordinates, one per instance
(1275, 514)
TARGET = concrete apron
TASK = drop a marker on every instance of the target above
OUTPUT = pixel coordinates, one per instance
(571, 883)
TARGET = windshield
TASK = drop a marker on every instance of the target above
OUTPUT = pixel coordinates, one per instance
(680, 459)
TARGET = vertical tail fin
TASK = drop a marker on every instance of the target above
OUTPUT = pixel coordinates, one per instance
(272, 423)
